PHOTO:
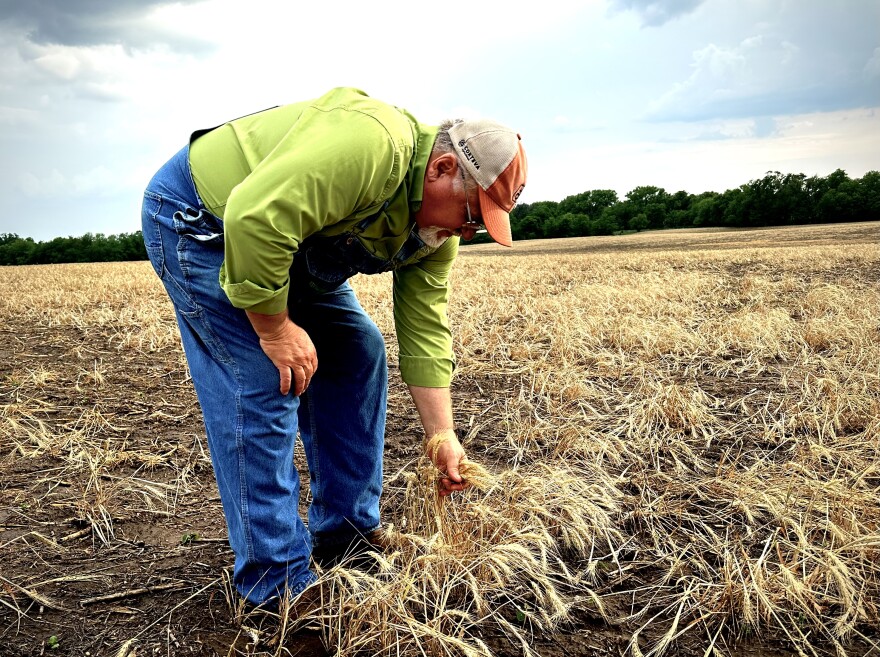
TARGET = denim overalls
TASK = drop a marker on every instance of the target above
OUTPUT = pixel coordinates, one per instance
(251, 427)
(324, 263)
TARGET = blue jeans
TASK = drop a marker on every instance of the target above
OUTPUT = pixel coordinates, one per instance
(251, 426)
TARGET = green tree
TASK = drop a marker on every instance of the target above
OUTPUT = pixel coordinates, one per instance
(869, 196)
(536, 221)
(707, 210)
(648, 205)
(639, 222)
(733, 204)
(567, 225)
(576, 204)
(591, 203)
(606, 224)
(840, 204)
(15, 250)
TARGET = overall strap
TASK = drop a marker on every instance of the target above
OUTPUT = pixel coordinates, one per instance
(204, 131)
(362, 225)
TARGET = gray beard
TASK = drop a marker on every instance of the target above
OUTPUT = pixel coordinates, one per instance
(429, 236)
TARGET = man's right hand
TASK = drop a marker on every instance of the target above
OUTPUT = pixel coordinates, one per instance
(289, 347)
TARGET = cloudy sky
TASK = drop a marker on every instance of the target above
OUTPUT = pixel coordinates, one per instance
(608, 94)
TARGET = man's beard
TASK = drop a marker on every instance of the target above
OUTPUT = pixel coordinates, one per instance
(430, 235)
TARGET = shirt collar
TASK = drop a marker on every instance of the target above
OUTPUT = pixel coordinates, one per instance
(425, 137)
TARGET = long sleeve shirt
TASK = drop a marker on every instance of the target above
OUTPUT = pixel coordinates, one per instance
(319, 167)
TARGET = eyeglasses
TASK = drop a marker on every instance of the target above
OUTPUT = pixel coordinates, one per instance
(476, 226)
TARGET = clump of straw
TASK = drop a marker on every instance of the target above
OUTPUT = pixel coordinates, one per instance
(492, 555)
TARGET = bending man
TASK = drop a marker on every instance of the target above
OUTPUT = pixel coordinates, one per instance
(254, 229)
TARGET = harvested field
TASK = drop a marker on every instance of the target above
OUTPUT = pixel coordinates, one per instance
(677, 437)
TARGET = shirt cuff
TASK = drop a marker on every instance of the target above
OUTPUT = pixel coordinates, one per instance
(255, 298)
(426, 372)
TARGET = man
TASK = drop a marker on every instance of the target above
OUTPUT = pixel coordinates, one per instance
(254, 229)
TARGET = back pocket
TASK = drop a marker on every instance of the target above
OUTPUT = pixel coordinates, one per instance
(151, 232)
(199, 225)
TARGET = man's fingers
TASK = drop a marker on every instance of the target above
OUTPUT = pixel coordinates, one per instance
(449, 457)
(452, 481)
(447, 486)
(292, 352)
(302, 379)
(284, 373)
(299, 377)
(310, 372)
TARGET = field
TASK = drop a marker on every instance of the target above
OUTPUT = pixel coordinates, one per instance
(677, 439)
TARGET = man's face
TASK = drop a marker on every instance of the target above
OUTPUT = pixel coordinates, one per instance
(445, 204)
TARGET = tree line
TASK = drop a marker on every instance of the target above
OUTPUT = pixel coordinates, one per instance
(15, 250)
(774, 200)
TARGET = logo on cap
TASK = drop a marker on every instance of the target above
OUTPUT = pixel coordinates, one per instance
(467, 153)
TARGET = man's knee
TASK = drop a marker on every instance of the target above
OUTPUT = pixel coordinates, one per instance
(353, 346)
(371, 339)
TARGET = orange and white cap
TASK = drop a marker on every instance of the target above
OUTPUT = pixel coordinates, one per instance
(494, 156)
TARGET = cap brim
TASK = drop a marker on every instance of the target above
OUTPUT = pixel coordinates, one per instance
(496, 219)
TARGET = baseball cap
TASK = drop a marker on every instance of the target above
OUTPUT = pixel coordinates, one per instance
(493, 155)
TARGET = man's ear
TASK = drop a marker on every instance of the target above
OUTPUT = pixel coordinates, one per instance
(443, 165)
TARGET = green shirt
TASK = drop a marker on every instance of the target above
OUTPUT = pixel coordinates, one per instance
(279, 176)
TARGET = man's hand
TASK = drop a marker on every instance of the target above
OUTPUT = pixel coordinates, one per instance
(289, 347)
(444, 450)
(448, 457)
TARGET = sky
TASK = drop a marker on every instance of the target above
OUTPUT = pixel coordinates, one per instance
(694, 95)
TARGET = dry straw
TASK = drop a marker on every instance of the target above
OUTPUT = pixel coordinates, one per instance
(673, 434)
(500, 554)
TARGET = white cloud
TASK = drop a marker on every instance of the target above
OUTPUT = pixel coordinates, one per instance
(93, 22)
(724, 79)
(872, 68)
(723, 129)
(17, 116)
(104, 72)
(31, 185)
(655, 13)
(62, 65)
(790, 52)
(724, 63)
(788, 61)
(813, 144)
(99, 181)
